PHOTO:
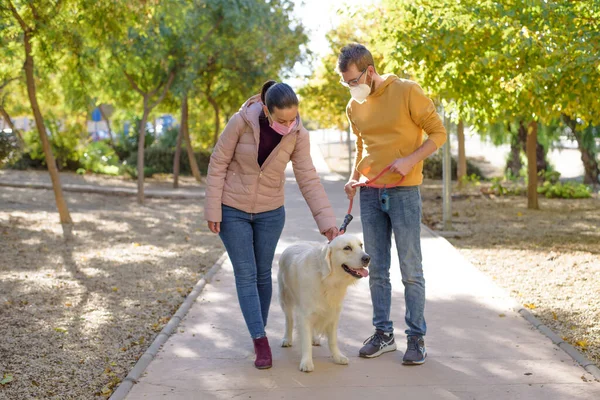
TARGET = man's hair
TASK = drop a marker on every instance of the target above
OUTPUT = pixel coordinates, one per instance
(356, 54)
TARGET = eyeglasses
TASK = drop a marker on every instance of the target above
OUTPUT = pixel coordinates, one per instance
(352, 82)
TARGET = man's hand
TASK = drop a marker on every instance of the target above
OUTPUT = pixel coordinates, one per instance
(350, 191)
(215, 227)
(331, 233)
(402, 166)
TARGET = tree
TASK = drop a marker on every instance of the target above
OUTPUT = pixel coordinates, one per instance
(39, 20)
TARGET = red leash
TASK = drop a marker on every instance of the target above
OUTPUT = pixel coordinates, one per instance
(369, 183)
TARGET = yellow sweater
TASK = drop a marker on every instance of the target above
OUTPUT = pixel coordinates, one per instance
(390, 125)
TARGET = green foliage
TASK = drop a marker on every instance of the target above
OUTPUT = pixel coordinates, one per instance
(10, 149)
(504, 187)
(100, 158)
(160, 160)
(432, 168)
(567, 190)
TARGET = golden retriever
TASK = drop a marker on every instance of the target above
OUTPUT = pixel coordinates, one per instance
(312, 284)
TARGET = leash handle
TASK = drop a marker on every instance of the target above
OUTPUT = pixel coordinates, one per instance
(347, 220)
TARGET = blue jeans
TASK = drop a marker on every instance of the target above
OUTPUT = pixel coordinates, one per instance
(403, 217)
(250, 240)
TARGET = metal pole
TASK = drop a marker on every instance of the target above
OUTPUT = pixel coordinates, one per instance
(447, 179)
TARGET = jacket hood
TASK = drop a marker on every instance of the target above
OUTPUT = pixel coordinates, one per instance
(388, 79)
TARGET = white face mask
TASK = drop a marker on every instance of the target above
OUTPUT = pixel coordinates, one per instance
(359, 93)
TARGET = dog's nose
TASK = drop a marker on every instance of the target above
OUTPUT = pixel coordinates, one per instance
(366, 259)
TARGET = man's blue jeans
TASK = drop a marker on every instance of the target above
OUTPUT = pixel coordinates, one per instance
(403, 217)
(250, 240)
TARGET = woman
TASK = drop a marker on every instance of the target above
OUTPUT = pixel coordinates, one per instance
(244, 197)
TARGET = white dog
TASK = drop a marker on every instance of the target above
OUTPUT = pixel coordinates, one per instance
(312, 284)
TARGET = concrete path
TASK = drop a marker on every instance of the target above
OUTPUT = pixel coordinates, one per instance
(479, 348)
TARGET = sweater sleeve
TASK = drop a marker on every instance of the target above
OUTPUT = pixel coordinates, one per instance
(310, 184)
(422, 112)
(217, 167)
(359, 141)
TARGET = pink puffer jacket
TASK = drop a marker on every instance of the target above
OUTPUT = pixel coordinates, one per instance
(236, 180)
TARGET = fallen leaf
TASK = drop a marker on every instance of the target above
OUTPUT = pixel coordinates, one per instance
(502, 315)
(61, 330)
(7, 379)
(528, 373)
(531, 306)
(554, 316)
(68, 305)
(519, 214)
(582, 343)
(114, 289)
(136, 244)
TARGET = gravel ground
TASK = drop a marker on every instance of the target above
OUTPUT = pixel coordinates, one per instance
(76, 314)
(548, 259)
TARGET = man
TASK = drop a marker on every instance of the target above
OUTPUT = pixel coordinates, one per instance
(388, 116)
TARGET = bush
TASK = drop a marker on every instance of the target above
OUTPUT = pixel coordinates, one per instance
(567, 190)
(100, 158)
(432, 167)
(10, 148)
(160, 160)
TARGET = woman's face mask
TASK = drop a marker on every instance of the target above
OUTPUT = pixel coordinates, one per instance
(281, 128)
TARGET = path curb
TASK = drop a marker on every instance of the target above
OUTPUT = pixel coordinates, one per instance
(557, 340)
(140, 367)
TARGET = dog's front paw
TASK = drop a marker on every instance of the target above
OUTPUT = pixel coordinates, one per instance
(340, 359)
(307, 366)
(286, 342)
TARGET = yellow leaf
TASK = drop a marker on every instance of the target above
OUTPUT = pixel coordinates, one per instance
(61, 330)
(114, 289)
(554, 316)
(136, 244)
(582, 343)
(68, 305)
(531, 306)
(519, 214)
(502, 315)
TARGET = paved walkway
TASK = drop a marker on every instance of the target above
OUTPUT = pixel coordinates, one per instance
(479, 348)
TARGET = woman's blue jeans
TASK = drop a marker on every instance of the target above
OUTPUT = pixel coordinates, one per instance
(250, 240)
(402, 216)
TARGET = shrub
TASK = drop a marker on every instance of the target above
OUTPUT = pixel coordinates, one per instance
(432, 167)
(160, 160)
(567, 190)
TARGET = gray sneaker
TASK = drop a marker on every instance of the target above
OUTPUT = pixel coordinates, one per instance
(415, 351)
(378, 344)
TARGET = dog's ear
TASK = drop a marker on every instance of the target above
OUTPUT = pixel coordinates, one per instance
(327, 261)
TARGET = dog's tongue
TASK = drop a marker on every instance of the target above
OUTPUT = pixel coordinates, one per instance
(363, 272)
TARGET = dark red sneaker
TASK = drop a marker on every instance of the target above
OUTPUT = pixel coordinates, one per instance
(264, 359)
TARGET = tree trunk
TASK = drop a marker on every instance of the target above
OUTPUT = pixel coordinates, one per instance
(110, 134)
(217, 119)
(61, 204)
(588, 156)
(141, 144)
(188, 145)
(461, 172)
(532, 194)
(180, 134)
(514, 163)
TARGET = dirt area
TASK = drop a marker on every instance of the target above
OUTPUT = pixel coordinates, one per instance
(76, 314)
(548, 259)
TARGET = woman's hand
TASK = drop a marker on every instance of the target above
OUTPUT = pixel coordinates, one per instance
(331, 233)
(402, 166)
(215, 227)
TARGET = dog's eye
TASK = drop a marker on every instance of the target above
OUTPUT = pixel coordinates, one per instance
(348, 248)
